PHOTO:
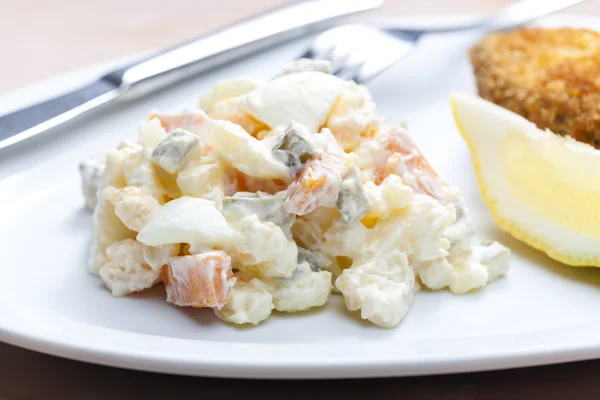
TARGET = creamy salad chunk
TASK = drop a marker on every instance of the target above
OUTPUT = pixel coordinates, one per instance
(274, 195)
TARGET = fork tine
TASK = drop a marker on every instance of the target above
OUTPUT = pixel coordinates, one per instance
(338, 63)
(358, 52)
(351, 71)
(317, 54)
(309, 53)
(338, 66)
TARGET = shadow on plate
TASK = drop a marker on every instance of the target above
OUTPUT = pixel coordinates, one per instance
(202, 316)
(585, 275)
(80, 221)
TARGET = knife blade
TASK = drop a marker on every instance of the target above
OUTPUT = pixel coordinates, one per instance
(177, 63)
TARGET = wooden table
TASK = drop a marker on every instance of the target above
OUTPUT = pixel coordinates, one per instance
(45, 38)
(28, 375)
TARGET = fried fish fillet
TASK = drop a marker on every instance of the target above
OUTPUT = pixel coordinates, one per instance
(549, 76)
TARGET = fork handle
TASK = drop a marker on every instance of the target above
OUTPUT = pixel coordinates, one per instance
(512, 16)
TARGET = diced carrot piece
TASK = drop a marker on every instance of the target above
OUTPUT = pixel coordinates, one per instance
(199, 280)
(193, 122)
(400, 155)
(318, 183)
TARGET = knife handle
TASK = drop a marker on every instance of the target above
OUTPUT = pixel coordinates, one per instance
(239, 40)
(30, 121)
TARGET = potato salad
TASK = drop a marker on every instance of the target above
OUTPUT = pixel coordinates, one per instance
(275, 194)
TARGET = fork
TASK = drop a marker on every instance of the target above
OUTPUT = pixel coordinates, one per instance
(361, 52)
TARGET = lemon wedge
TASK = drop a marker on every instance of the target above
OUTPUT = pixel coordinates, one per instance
(542, 188)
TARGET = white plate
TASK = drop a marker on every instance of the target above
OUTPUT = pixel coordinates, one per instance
(542, 312)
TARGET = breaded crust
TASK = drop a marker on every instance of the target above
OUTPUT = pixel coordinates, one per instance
(549, 76)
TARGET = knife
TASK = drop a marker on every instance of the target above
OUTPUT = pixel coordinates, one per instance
(164, 68)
